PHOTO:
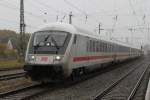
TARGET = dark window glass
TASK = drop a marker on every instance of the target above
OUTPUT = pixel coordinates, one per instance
(75, 39)
(49, 42)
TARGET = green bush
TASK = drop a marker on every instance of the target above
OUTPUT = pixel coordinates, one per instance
(10, 53)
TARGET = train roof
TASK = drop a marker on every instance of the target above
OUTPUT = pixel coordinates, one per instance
(59, 26)
(68, 28)
(76, 30)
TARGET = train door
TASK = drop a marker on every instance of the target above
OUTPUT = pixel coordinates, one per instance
(74, 51)
(115, 49)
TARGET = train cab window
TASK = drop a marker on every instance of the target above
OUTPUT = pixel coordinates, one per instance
(75, 39)
(49, 42)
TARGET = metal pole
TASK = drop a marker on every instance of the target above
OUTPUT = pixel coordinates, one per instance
(22, 29)
(99, 28)
(70, 18)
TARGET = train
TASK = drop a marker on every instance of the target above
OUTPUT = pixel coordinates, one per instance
(58, 51)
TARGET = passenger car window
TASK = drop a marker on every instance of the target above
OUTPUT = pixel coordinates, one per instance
(75, 39)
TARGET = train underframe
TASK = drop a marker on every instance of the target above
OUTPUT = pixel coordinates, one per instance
(44, 73)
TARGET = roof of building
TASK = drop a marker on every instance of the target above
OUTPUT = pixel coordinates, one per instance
(5, 41)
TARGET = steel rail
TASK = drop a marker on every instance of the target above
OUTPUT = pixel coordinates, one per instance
(107, 90)
(68, 84)
(12, 76)
(28, 92)
(5, 94)
(9, 69)
(133, 92)
(32, 96)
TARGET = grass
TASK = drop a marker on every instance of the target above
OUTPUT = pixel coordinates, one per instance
(10, 63)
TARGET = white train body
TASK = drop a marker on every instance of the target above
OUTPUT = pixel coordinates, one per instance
(59, 50)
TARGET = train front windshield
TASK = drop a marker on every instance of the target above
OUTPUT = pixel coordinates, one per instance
(49, 42)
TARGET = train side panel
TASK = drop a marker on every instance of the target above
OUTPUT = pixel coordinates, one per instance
(81, 56)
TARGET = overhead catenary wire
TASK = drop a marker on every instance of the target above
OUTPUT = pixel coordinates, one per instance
(50, 7)
(40, 8)
(133, 10)
(16, 23)
(12, 7)
(79, 10)
(81, 13)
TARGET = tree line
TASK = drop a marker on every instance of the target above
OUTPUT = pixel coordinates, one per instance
(6, 35)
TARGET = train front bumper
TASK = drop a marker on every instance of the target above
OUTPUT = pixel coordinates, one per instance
(44, 72)
(56, 67)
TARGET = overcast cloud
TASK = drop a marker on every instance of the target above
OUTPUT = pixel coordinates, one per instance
(86, 13)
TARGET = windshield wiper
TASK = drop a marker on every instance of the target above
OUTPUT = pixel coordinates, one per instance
(53, 40)
(45, 39)
(55, 43)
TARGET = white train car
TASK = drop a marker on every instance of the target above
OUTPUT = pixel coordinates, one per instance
(60, 50)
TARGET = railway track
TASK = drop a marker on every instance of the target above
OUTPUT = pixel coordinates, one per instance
(69, 95)
(66, 85)
(10, 69)
(19, 94)
(110, 88)
(12, 76)
(32, 92)
(28, 92)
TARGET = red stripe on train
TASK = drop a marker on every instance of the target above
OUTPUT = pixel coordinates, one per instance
(85, 58)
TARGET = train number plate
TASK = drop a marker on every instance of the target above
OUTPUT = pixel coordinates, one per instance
(45, 59)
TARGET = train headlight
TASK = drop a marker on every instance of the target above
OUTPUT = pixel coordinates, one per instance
(47, 44)
(58, 58)
(32, 57)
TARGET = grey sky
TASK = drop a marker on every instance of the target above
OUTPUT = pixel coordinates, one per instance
(130, 14)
